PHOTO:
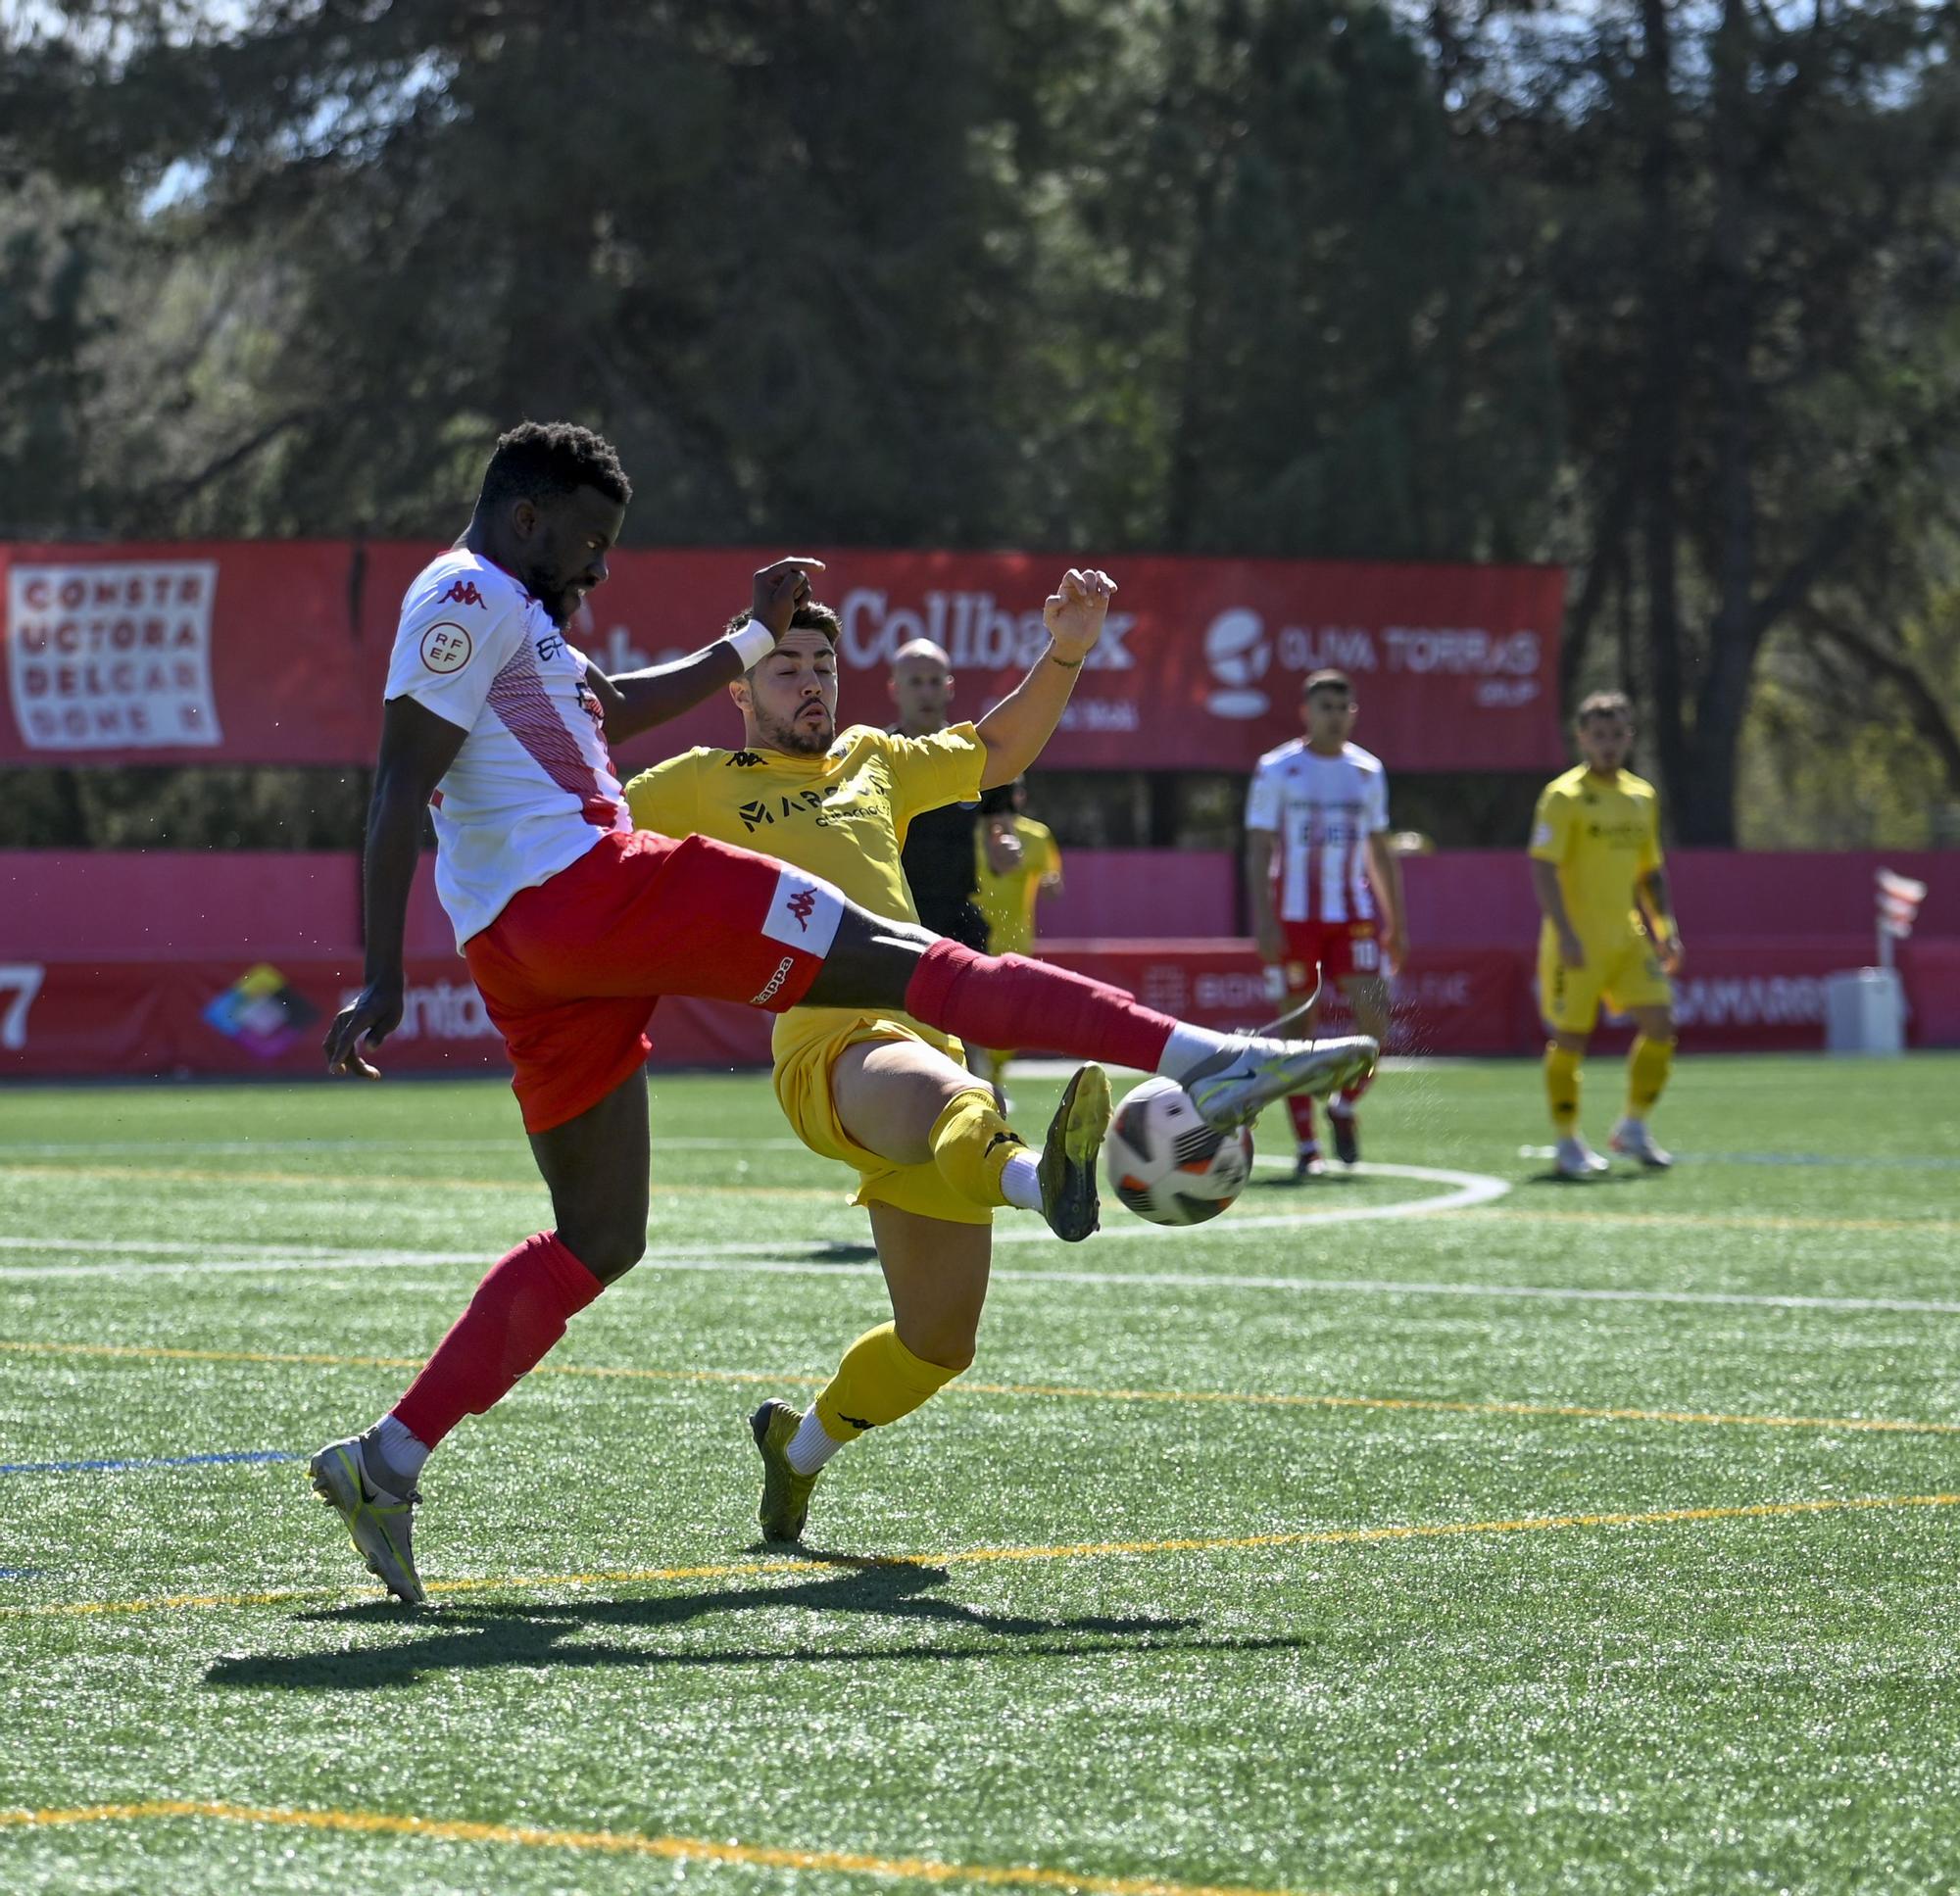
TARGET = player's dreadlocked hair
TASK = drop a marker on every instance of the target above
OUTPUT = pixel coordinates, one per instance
(540, 458)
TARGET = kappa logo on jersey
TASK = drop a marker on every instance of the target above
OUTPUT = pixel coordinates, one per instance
(446, 647)
(800, 906)
(743, 760)
(463, 592)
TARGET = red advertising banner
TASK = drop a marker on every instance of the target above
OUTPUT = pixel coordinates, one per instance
(237, 1016)
(275, 653)
(171, 1019)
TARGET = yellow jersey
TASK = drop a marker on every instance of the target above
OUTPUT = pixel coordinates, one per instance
(1603, 833)
(1009, 901)
(842, 815)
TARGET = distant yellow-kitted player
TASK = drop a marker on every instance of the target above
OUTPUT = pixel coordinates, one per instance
(1608, 934)
(1018, 861)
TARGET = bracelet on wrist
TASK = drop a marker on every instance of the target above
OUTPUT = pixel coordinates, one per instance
(1067, 665)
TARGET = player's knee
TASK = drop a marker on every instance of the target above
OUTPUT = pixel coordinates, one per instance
(609, 1249)
(946, 1342)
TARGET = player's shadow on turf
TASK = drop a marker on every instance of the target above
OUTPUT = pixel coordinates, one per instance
(1619, 1175)
(488, 1635)
(1333, 1179)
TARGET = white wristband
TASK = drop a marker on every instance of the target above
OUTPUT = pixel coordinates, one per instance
(753, 644)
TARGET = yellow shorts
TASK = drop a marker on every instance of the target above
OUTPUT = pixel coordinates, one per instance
(802, 1090)
(1620, 969)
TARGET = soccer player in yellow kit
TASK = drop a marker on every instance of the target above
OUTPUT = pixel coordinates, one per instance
(1608, 931)
(1018, 861)
(880, 1092)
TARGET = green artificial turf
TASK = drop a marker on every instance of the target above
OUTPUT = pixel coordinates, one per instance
(1155, 1617)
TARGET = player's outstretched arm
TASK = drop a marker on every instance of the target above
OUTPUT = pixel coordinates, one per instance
(1019, 726)
(637, 701)
(416, 748)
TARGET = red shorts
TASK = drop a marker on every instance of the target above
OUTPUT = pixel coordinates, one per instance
(1342, 948)
(569, 971)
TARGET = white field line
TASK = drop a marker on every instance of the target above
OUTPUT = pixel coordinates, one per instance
(719, 1261)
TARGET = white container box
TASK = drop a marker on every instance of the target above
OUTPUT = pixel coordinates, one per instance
(1864, 1012)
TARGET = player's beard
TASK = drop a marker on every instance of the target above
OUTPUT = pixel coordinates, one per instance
(800, 739)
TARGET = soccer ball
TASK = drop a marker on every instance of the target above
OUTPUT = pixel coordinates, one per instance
(1167, 1164)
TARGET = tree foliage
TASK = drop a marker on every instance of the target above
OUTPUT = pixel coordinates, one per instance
(1658, 288)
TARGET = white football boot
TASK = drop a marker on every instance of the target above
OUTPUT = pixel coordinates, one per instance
(1632, 1139)
(1231, 1088)
(380, 1524)
(1576, 1159)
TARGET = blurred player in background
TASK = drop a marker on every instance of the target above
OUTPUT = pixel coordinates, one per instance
(1016, 862)
(939, 845)
(1325, 889)
(1608, 933)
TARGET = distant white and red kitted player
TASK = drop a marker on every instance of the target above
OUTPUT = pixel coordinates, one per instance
(1324, 886)
(574, 925)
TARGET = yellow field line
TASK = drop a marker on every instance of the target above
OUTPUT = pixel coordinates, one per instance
(980, 1556)
(1250, 1398)
(625, 1843)
(1723, 1220)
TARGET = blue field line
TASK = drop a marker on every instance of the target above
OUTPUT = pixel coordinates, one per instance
(109, 1465)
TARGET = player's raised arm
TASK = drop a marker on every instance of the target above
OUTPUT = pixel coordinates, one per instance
(1017, 728)
(416, 748)
(637, 701)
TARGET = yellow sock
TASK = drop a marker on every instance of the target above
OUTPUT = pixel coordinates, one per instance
(878, 1381)
(1648, 1065)
(972, 1145)
(1561, 1089)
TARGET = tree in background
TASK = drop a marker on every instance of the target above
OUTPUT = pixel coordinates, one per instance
(1752, 249)
(1661, 289)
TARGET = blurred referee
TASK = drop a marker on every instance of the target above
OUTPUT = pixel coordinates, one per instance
(938, 857)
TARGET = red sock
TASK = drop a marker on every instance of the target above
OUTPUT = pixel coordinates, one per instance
(518, 1312)
(1351, 1097)
(1010, 1000)
(1301, 1107)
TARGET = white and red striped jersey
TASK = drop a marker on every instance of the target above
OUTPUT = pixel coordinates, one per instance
(1322, 810)
(533, 786)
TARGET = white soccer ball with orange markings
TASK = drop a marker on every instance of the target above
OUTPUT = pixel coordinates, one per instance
(1167, 1164)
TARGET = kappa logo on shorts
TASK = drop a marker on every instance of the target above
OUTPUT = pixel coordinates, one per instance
(446, 647)
(804, 912)
(773, 986)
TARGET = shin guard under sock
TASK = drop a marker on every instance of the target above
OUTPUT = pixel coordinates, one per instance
(518, 1312)
(1561, 1089)
(1010, 1000)
(1648, 1065)
(972, 1145)
(878, 1381)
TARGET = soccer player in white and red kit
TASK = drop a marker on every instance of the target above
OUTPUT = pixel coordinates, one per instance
(1324, 886)
(574, 925)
